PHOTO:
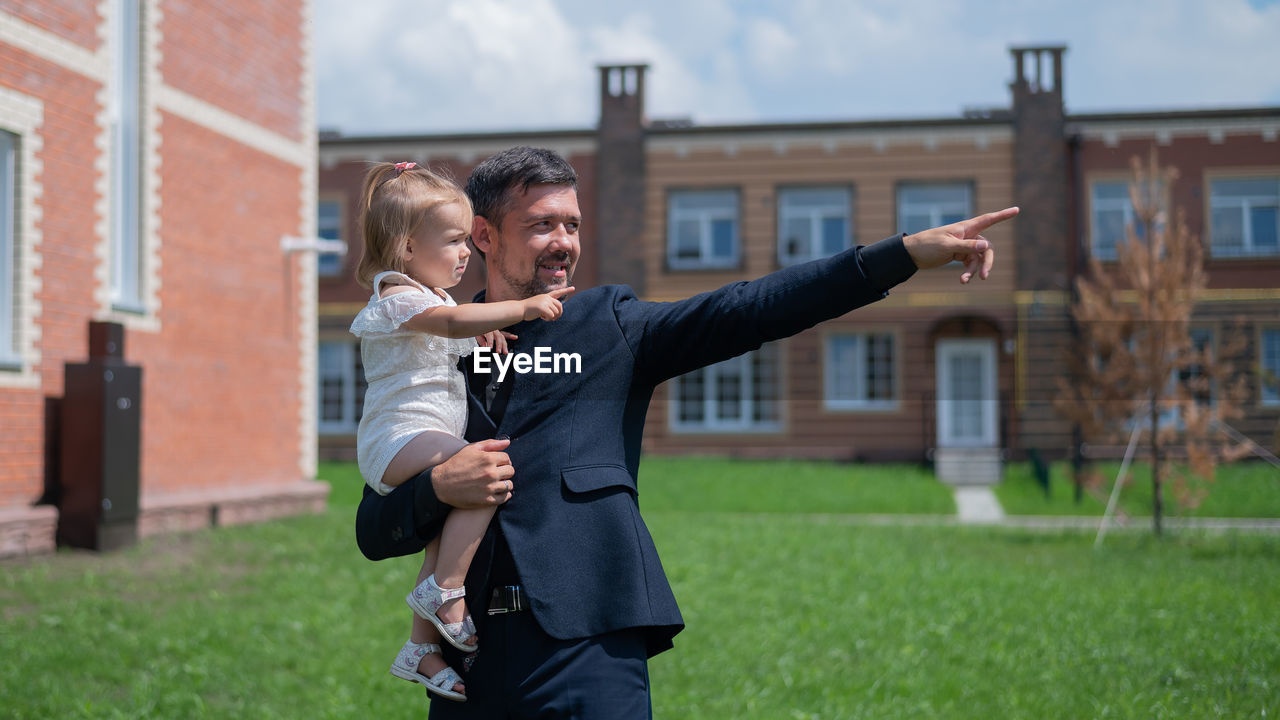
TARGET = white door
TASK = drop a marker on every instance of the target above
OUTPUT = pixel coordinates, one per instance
(967, 398)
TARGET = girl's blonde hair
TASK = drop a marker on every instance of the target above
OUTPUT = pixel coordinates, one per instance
(396, 199)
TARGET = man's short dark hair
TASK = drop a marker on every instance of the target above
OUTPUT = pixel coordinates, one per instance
(494, 181)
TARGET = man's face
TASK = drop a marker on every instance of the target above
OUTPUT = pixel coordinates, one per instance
(535, 248)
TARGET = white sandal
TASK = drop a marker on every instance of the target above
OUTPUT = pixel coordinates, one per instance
(406, 667)
(426, 600)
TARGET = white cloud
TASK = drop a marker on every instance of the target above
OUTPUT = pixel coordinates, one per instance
(436, 65)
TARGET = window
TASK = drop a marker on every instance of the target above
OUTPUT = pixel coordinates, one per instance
(1244, 217)
(859, 372)
(702, 229)
(342, 386)
(8, 249)
(923, 206)
(1270, 342)
(126, 137)
(812, 223)
(739, 394)
(1112, 213)
(329, 227)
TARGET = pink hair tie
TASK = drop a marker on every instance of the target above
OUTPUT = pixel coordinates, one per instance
(402, 166)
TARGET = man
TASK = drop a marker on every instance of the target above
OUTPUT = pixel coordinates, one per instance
(567, 590)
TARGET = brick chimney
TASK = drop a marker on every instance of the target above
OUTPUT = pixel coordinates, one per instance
(620, 176)
(1044, 249)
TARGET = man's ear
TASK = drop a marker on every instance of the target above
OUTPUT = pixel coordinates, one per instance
(482, 234)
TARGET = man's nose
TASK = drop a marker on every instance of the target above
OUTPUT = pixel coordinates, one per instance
(561, 239)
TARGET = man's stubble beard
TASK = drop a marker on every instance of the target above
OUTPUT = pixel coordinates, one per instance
(527, 288)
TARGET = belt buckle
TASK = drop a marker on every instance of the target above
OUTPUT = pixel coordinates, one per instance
(506, 599)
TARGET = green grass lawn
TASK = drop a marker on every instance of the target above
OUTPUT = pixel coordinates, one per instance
(790, 615)
(1242, 489)
(788, 486)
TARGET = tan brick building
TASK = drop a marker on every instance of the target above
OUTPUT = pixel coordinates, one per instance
(964, 377)
(156, 156)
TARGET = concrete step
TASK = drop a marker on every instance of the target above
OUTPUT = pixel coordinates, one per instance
(968, 466)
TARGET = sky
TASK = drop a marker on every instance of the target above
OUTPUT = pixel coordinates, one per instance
(429, 66)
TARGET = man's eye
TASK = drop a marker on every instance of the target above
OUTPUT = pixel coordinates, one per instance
(571, 227)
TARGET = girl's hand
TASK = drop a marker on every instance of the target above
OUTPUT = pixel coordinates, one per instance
(496, 339)
(547, 306)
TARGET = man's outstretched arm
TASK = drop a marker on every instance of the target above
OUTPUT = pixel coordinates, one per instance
(739, 317)
(406, 519)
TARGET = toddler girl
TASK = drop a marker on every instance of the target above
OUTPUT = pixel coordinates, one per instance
(415, 225)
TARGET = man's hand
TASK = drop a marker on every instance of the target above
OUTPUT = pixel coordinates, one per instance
(478, 475)
(961, 241)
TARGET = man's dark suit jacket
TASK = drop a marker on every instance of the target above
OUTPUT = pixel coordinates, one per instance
(582, 552)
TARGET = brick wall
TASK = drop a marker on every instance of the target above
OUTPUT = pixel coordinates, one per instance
(227, 171)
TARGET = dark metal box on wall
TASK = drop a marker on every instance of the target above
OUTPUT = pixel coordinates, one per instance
(101, 434)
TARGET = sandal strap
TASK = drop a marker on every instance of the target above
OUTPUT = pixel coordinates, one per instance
(445, 679)
(446, 594)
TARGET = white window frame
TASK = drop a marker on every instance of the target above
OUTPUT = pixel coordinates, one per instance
(793, 205)
(857, 366)
(1269, 394)
(348, 376)
(10, 359)
(125, 112)
(939, 213)
(1245, 203)
(744, 366)
(706, 259)
(329, 264)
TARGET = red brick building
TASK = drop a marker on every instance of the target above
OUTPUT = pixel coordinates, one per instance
(673, 208)
(156, 156)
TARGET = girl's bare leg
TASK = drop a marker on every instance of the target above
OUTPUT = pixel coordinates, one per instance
(423, 631)
(426, 450)
(461, 535)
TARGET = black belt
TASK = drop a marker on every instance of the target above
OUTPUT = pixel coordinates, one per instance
(506, 599)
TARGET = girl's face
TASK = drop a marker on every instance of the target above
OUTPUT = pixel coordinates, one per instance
(436, 255)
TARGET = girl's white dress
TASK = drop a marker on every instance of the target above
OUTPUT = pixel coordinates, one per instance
(413, 380)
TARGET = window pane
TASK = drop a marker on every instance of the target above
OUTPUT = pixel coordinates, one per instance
(1271, 366)
(689, 397)
(879, 367)
(1111, 191)
(915, 223)
(722, 240)
(843, 354)
(1108, 229)
(813, 198)
(8, 248)
(728, 383)
(724, 201)
(688, 242)
(1245, 187)
(834, 236)
(125, 158)
(935, 194)
(1228, 230)
(1263, 225)
(329, 361)
(764, 385)
(795, 240)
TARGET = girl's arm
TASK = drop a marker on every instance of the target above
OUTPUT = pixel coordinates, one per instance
(466, 321)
